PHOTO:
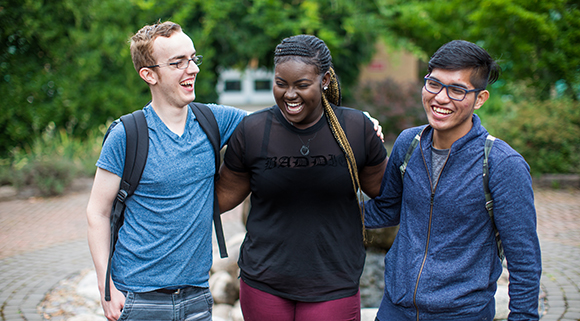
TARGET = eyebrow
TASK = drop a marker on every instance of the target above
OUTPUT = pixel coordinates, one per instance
(182, 56)
(297, 81)
(454, 84)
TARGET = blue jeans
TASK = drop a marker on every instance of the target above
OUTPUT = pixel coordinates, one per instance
(189, 304)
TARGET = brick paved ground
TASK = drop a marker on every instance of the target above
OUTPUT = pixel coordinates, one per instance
(43, 241)
(27, 225)
(559, 231)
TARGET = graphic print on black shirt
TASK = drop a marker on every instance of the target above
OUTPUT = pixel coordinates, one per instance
(305, 161)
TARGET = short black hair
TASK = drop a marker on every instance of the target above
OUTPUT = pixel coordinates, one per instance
(461, 54)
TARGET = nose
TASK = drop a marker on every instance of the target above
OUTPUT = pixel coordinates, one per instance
(290, 93)
(194, 69)
(443, 95)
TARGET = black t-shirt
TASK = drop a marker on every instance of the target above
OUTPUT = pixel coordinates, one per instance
(304, 230)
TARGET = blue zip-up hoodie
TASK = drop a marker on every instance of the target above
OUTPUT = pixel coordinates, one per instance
(443, 264)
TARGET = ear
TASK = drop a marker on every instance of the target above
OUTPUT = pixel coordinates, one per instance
(148, 75)
(481, 99)
(326, 79)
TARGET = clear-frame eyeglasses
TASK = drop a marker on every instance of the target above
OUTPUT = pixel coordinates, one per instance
(456, 93)
(181, 63)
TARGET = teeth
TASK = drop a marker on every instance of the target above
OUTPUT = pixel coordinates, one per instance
(442, 110)
(187, 83)
(294, 108)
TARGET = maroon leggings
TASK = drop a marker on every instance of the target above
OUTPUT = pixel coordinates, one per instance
(261, 306)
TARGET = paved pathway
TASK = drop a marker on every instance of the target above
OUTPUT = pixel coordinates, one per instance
(43, 241)
(559, 231)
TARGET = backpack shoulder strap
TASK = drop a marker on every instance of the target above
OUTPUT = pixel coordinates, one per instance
(208, 123)
(488, 200)
(137, 148)
(410, 150)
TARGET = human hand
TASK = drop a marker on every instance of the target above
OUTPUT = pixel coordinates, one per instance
(114, 307)
(377, 127)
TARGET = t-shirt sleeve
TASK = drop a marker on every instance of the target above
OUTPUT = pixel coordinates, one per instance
(228, 119)
(112, 156)
(234, 156)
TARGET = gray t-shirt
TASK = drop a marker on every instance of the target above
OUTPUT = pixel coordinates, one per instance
(438, 158)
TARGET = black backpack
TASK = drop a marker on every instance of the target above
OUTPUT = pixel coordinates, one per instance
(488, 200)
(137, 137)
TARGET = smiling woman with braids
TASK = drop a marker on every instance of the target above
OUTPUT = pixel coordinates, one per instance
(304, 161)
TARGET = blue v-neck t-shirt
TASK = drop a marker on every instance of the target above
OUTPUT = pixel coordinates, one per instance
(165, 241)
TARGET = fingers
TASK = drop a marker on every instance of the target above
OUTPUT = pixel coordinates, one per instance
(377, 126)
(114, 308)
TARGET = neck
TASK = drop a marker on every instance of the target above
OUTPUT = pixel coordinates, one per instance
(443, 139)
(173, 117)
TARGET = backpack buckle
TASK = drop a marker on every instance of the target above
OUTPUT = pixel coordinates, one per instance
(122, 195)
(489, 205)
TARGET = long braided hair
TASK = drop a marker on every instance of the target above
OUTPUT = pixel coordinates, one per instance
(313, 51)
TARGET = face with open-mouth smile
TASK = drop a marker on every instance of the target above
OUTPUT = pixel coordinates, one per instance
(172, 85)
(298, 92)
(451, 119)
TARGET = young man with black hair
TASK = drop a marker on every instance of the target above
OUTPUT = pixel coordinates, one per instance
(444, 263)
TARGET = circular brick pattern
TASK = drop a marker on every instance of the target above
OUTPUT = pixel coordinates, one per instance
(43, 241)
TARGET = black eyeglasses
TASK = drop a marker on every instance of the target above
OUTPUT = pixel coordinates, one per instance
(453, 92)
(181, 63)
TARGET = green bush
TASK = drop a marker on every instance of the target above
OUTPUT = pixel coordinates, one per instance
(52, 161)
(51, 177)
(546, 133)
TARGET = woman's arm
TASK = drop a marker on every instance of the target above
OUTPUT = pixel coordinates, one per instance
(232, 188)
(370, 178)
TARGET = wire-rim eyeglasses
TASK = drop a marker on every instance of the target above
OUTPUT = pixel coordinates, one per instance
(181, 63)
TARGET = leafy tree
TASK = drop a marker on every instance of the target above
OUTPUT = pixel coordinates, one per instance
(535, 40)
(233, 33)
(67, 62)
(63, 62)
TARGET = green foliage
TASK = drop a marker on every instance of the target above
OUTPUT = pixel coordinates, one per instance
(64, 62)
(234, 34)
(51, 177)
(67, 62)
(536, 41)
(52, 161)
(546, 133)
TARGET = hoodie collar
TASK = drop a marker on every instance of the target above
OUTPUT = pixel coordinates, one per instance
(476, 131)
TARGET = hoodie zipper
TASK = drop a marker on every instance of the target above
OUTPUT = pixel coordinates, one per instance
(431, 201)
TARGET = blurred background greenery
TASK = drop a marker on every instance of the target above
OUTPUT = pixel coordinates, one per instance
(66, 71)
